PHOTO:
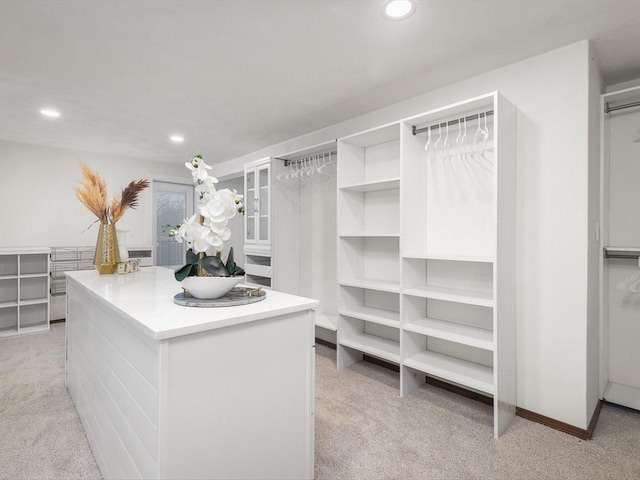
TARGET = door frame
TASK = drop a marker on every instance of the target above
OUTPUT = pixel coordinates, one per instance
(149, 211)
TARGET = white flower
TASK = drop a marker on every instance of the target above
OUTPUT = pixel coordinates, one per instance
(216, 208)
(199, 169)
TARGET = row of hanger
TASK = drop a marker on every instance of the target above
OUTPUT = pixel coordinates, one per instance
(310, 167)
(631, 284)
(465, 144)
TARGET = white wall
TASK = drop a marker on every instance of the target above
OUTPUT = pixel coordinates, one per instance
(236, 224)
(39, 207)
(551, 93)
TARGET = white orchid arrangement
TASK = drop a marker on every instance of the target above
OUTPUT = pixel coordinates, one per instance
(207, 230)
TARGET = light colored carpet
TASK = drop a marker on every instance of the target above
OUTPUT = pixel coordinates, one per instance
(364, 430)
(40, 432)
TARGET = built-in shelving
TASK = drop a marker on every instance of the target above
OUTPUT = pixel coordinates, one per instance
(379, 285)
(426, 255)
(462, 372)
(374, 345)
(451, 257)
(368, 206)
(372, 186)
(24, 290)
(452, 295)
(452, 331)
(369, 234)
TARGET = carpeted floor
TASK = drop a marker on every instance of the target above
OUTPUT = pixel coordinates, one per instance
(40, 432)
(364, 430)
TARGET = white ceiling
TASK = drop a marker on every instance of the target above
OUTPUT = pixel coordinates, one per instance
(234, 76)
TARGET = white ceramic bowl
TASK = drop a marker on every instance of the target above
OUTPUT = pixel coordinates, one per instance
(209, 287)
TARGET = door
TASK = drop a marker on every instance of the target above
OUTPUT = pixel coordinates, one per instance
(263, 219)
(172, 204)
(250, 206)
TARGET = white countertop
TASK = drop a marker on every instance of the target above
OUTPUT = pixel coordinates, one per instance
(146, 299)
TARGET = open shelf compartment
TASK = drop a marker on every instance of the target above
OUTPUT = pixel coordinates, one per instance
(34, 316)
(8, 266)
(457, 322)
(453, 281)
(461, 364)
(8, 321)
(369, 305)
(35, 263)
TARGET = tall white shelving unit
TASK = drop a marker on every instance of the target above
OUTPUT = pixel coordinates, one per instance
(257, 223)
(368, 212)
(24, 290)
(426, 251)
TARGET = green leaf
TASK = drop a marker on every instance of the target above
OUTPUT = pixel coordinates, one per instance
(192, 257)
(214, 266)
(231, 264)
(185, 271)
(238, 271)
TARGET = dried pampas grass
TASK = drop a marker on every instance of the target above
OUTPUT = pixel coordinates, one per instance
(92, 192)
(128, 198)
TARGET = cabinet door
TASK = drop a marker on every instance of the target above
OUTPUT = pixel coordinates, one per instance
(251, 206)
(263, 214)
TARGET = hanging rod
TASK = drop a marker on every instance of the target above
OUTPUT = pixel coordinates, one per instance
(621, 107)
(622, 252)
(450, 122)
(288, 162)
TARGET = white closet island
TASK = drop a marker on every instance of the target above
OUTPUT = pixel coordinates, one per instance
(165, 391)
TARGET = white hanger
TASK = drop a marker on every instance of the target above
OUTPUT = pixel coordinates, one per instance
(426, 145)
(445, 144)
(435, 145)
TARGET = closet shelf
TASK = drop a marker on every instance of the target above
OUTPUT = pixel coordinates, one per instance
(8, 277)
(369, 234)
(33, 328)
(324, 320)
(451, 257)
(380, 285)
(377, 346)
(8, 304)
(35, 301)
(469, 297)
(462, 372)
(35, 275)
(386, 184)
(374, 315)
(8, 332)
(453, 332)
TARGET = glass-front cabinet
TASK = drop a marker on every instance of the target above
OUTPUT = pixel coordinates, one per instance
(257, 187)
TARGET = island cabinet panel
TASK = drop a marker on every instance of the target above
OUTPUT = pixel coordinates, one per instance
(266, 385)
(174, 392)
(122, 400)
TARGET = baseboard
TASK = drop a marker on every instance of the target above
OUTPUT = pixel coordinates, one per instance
(60, 320)
(584, 434)
(320, 341)
(381, 363)
(460, 391)
(594, 418)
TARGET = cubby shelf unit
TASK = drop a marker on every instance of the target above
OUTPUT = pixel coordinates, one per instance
(368, 208)
(438, 299)
(24, 290)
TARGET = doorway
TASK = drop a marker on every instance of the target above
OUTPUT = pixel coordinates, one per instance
(172, 204)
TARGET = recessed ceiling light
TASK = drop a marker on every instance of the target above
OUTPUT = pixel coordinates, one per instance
(176, 138)
(399, 9)
(47, 112)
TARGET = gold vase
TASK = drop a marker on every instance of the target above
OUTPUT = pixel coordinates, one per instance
(107, 256)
